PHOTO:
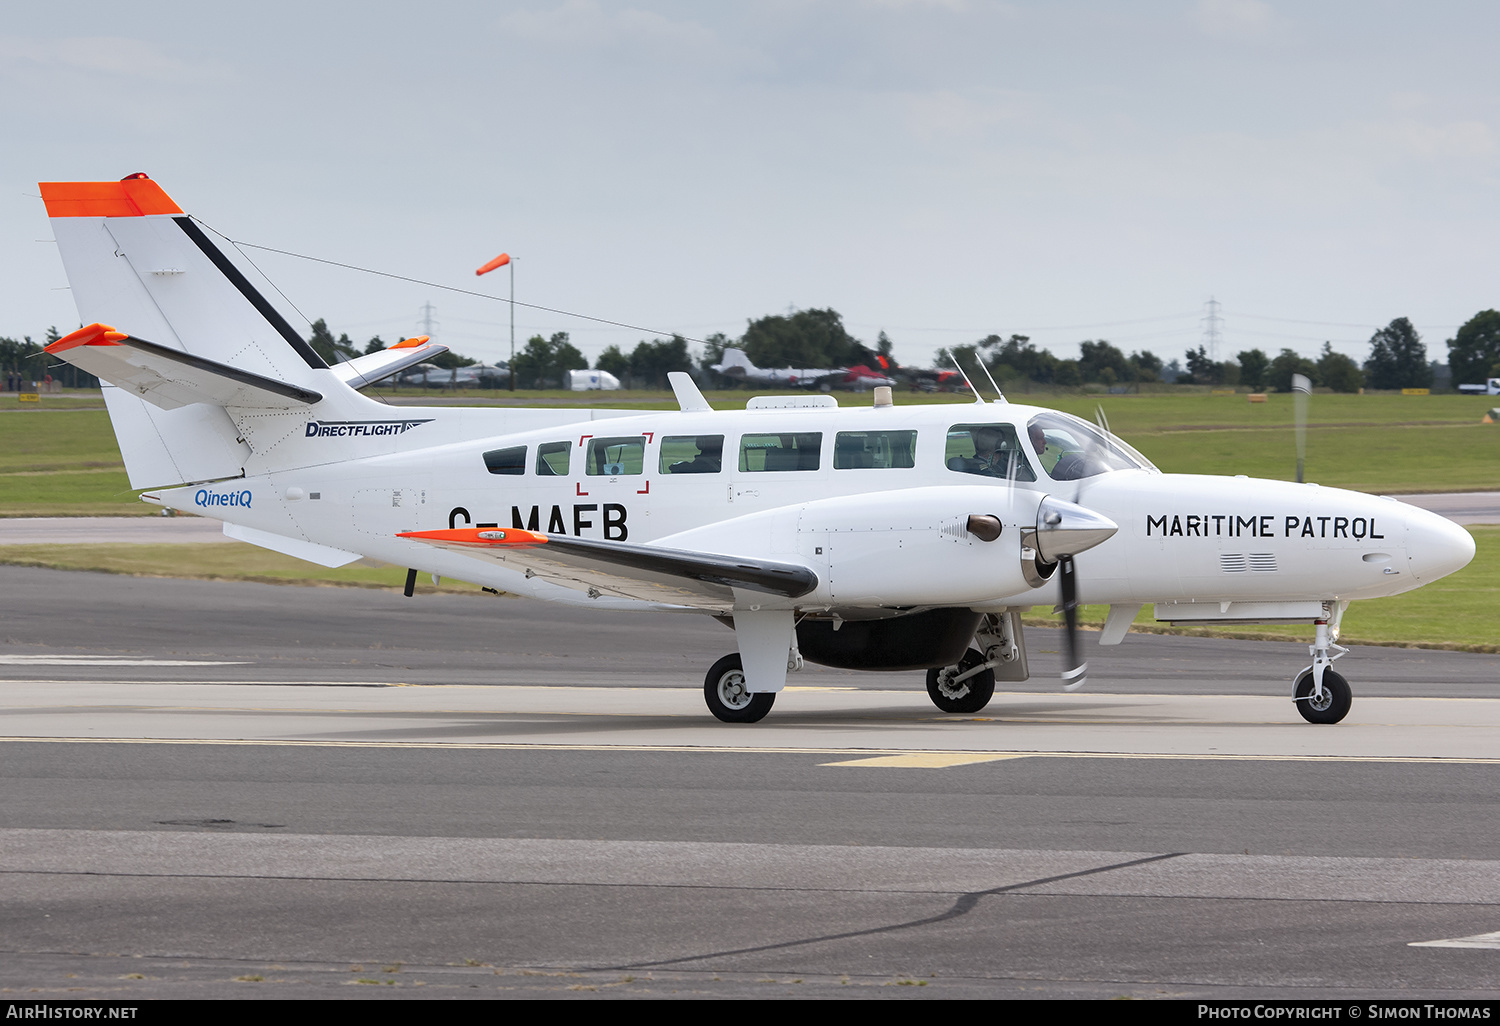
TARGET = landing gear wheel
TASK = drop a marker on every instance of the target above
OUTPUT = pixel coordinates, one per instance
(1334, 704)
(724, 690)
(968, 695)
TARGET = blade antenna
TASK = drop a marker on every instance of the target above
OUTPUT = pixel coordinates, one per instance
(1301, 391)
(999, 395)
(977, 397)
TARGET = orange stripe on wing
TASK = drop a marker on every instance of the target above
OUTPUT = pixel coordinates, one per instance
(485, 536)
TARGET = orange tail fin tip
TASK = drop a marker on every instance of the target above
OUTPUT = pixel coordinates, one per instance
(133, 196)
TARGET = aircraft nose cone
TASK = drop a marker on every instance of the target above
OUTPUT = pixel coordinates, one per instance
(1066, 529)
(1437, 546)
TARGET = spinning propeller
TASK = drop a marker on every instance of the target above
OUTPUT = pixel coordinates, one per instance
(1064, 529)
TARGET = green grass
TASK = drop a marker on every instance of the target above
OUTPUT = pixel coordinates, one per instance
(215, 561)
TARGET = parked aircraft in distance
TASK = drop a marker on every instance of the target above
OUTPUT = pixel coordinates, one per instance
(735, 364)
(478, 375)
(877, 537)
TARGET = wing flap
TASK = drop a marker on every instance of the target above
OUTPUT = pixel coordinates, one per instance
(645, 572)
(169, 378)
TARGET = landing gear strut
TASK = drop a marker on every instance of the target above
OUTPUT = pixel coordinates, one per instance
(1321, 695)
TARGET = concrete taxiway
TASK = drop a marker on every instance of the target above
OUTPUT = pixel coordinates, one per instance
(224, 789)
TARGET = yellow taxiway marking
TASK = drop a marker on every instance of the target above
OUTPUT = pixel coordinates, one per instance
(861, 753)
(928, 760)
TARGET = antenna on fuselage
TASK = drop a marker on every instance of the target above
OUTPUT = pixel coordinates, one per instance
(999, 395)
(977, 397)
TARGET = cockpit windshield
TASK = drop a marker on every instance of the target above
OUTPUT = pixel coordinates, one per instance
(1071, 449)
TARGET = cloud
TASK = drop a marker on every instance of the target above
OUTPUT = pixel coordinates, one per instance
(1245, 20)
(645, 35)
(112, 56)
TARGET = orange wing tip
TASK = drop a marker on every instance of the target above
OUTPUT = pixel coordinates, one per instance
(486, 536)
(91, 335)
(135, 196)
(412, 343)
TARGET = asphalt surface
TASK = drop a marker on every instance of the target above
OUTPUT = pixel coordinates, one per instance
(217, 789)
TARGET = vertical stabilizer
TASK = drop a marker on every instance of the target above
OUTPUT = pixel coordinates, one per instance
(133, 258)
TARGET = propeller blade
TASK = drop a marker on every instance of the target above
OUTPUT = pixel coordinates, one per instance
(1301, 391)
(1075, 667)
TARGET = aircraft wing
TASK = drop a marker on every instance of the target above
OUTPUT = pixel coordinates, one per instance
(362, 370)
(170, 378)
(648, 573)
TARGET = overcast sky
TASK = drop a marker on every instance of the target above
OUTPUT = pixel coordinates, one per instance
(939, 169)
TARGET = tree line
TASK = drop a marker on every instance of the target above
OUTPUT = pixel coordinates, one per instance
(817, 339)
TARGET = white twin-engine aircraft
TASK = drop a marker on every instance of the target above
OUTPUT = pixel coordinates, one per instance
(875, 538)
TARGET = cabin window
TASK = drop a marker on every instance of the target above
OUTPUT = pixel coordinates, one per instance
(692, 454)
(780, 452)
(616, 457)
(552, 459)
(506, 461)
(989, 450)
(874, 450)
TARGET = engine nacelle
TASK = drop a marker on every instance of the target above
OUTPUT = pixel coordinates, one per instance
(911, 547)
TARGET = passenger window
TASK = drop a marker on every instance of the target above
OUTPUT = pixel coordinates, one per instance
(780, 452)
(616, 457)
(874, 450)
(692, 454)
(552, 459)
(506, 461)
(989, 450)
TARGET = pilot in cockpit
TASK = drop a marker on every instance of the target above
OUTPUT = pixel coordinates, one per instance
(996, 454)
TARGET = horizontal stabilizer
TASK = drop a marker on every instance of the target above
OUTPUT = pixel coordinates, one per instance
(646, 572)
(367, 369)
(169, 378)
(295, 547)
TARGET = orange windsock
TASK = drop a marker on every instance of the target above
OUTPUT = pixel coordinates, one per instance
(499, 261)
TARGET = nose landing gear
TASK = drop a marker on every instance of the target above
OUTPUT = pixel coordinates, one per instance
(1321, 695)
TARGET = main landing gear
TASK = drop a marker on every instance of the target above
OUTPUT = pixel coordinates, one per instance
(965, 688)
(728, 699)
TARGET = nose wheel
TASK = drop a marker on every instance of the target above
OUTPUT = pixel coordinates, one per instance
(728, 698)
(1329, 707)
(965, 688)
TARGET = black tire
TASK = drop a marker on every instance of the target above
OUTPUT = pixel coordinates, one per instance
(969, 695)
(724, 691)
(1337, 698)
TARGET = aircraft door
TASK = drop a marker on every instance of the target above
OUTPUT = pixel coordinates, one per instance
(775, 469)
(691, 484)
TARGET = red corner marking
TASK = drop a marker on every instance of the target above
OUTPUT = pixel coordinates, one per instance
(578, 487)
(646, 490)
